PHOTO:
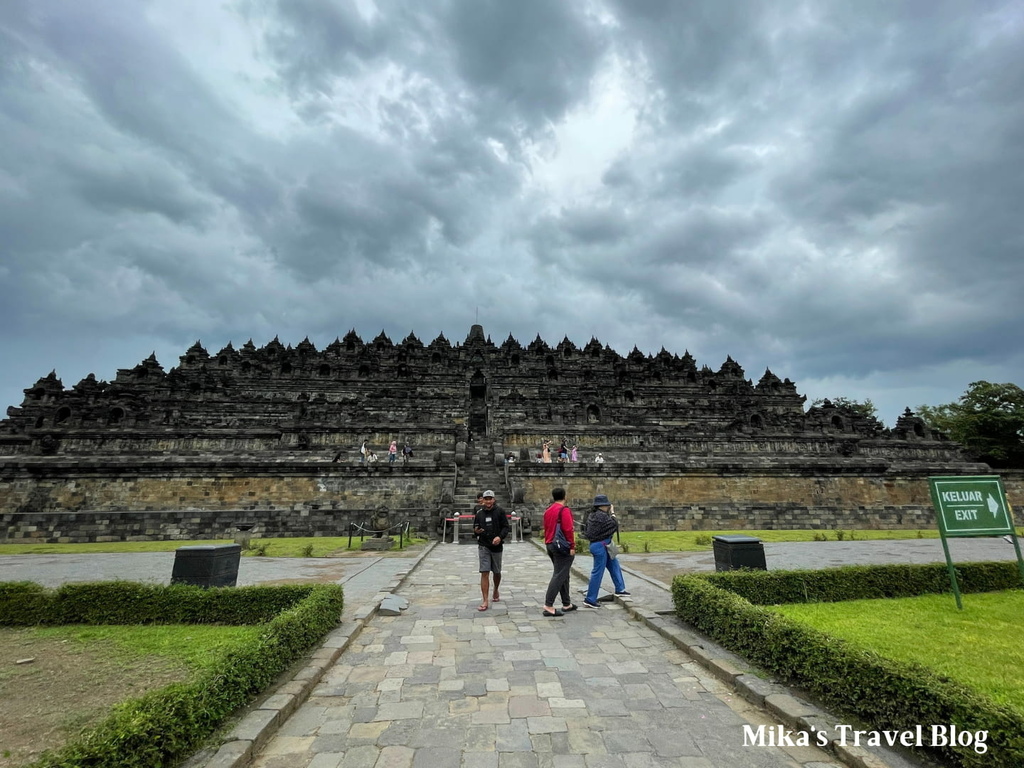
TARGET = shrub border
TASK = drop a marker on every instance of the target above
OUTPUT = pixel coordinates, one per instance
(165, 726)
(884, 693)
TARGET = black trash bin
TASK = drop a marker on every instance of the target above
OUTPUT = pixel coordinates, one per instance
(733, 552)
(213, 565)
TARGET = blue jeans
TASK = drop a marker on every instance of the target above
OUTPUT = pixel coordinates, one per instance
(599, 549)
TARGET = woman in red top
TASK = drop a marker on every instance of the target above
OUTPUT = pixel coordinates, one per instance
(554, 515)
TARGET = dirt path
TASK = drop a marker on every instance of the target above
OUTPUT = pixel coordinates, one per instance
(67, 687)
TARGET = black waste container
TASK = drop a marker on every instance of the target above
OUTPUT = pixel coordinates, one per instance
(213, 565)
(732, 552)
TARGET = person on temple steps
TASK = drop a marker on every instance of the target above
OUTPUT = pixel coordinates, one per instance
(558, 514)
(490, 524)
(601, 526)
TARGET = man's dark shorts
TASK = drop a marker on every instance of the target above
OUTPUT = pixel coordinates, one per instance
(489, 561)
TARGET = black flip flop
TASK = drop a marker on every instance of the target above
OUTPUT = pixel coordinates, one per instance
(569, 608)
(552, 615)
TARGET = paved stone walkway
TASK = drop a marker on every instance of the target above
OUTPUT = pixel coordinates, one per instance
(444, 684)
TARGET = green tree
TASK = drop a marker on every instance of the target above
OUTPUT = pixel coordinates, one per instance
(864, 407)
(987, 419)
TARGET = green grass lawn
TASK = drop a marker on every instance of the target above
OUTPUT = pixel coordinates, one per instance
(979, 646)
(194, 645)
(313, 546)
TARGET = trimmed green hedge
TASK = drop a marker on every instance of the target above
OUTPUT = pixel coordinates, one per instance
(886, 694)
(127, 602)
(865, 582)
(163, 727)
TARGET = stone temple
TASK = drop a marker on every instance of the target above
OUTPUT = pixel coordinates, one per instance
(270, 436)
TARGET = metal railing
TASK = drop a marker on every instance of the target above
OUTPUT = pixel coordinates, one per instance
(402, 529)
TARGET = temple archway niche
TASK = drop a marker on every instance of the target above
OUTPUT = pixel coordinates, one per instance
(593, 414)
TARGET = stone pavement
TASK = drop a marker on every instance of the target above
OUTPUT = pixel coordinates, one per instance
(444, 684)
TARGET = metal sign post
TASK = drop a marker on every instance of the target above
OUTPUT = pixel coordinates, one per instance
(970, 506)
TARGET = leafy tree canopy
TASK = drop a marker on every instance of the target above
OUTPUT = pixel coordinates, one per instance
(860, 407)
(988, 420)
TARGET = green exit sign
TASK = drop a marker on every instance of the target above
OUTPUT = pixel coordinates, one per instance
(971, 505)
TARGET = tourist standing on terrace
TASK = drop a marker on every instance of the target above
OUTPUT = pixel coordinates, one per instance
(406, 453)
(574, 456)
(392, 452)
(601, 526)
(545, 452)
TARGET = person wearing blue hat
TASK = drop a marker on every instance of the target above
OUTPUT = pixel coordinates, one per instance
(601, 526)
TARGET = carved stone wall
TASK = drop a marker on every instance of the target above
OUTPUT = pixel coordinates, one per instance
(276, 430)
(666, 498)
(91, 502)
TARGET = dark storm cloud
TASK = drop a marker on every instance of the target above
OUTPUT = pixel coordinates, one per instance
(313, 40)
(115, 182)
(515, 67)
(532, 58)
(827, 189)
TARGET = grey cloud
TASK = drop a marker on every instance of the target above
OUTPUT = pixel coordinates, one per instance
(825, 189)
(516, 67)
(602, 225)
(704, 55)
(709, 238)
(142, 184)
(141, 84)
(534, 58)
(314, 40)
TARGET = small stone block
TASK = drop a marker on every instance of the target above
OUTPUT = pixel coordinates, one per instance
(391, 606)
(256, 726)
(699, 655)
(231, 755)
(755, 689)
(789, 707)
(724, 670)
(857, 757)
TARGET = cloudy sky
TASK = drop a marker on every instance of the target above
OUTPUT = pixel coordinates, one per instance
(832, 190)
